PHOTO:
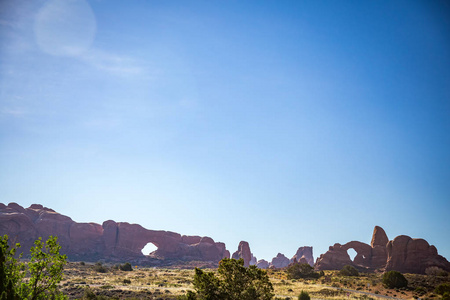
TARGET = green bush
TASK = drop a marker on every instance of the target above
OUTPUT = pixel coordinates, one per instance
(98, 267)
(348, 270)
(394, 279)
(304, 296)
(297, 271)
(446, 296)
(442, 289)
(233, 281)
(126, 267)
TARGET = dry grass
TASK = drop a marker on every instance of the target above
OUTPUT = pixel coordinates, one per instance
(159, 283)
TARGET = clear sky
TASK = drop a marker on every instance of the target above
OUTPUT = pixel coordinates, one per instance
(281, 123)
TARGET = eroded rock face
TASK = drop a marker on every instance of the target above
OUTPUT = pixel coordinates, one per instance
(114, 241)
(262, 264)
(403, 254)
(410, 255)
(379, 237)
(304, 255)
(244, 253)
(280, 261)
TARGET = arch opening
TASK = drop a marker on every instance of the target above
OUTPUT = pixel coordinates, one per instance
(352, 253)
(149, 249)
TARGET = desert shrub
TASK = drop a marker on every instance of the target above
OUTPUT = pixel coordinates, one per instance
(304, 296)
(442, 289)
(89, 294)
(420, 290)
(394, 279)
(190, 295)
(435, 271)
(106, 287)
(296, 271)
(126, 267)
(98, 267)
(126, 281)
(348, 270)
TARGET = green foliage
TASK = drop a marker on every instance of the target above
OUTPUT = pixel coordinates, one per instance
(126, 267)
(233, 282)
(45, 271)
(446, 296)
(348, 270)
(98, 267)
(190, 295)
(442, 289)
(435, 271)
(304, 296)
(11, 270)
(296, 271)
(394, 279)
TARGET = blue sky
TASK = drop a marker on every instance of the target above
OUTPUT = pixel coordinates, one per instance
(282, 123)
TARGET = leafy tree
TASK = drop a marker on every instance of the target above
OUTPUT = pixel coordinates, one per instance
(394, 279)
(348, 270)
(304, 296)
(297, 270)
(233, 282)
(45, 270)
(11, 270)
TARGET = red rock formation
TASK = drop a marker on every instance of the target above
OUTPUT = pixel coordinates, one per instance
(413, 256)
(379, 237)
(262, 264)
(403, 254)
(280, 261)
(304, 255)
(110, 241)
(244, 253)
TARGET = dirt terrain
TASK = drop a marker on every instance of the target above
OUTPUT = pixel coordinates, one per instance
(97, 281)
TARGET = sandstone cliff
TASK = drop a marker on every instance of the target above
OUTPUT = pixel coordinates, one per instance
(113, 241)
(402, 254)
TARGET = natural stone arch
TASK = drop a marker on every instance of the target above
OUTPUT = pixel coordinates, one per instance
(352, 254)
(149, 249)
(363, 253)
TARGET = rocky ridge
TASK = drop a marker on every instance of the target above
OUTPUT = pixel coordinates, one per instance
(121, 241)
(403, 254)
(112, 241)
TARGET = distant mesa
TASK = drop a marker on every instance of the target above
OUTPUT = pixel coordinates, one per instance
(112, 241)
(403, 254)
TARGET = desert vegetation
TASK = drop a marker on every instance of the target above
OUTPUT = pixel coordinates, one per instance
(47, 276)
(82, 281)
